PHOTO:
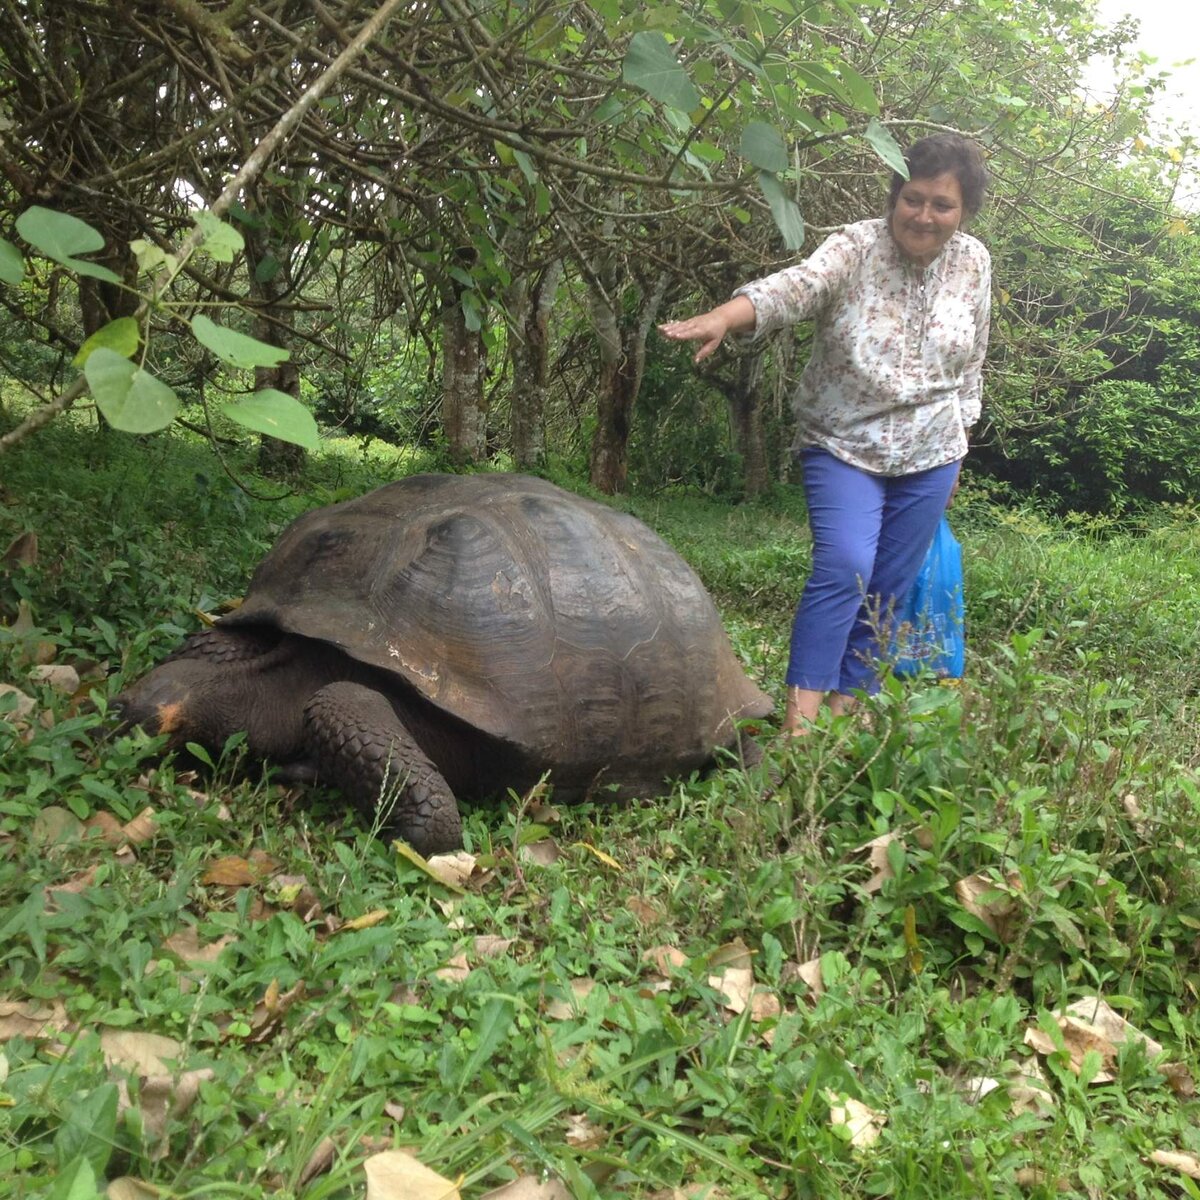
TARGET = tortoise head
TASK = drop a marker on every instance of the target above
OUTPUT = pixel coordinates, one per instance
(170, 700)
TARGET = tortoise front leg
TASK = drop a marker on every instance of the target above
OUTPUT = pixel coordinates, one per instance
(361, 747)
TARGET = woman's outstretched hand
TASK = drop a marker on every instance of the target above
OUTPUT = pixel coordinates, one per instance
(709, 329)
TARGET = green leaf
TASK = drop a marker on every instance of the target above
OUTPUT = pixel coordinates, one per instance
(490, 1030)
(89, 1131)
(77, 1181)
(12, 265)
(788, 218)
(236, 349)
(526, 165)
(472, 314)
(820, 79)
(149, 256)
(651, 65)
(764, 146)
(886, 146)
(121, 335)
(130, 398)
(278, 415)
(267, 269)
(862, 94)
(221, 242)
(60, 236)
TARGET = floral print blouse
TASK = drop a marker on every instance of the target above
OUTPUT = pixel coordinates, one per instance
(895, 378)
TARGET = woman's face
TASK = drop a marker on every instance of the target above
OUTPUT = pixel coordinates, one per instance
(926, 216)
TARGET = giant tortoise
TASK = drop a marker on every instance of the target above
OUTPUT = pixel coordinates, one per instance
(450, 636)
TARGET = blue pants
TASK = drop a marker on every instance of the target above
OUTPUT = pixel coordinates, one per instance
(870, 534)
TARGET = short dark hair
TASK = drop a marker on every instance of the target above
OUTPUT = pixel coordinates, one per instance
(941, 152)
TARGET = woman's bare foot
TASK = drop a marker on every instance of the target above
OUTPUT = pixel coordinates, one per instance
(803, 705)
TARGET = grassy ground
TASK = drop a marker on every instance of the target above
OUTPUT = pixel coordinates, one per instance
(838, 976)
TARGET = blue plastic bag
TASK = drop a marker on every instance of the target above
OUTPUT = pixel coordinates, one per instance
(928, 623)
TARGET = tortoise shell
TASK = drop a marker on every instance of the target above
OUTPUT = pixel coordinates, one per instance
(559, 625)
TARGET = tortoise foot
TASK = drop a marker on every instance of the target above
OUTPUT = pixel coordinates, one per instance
(361, 747)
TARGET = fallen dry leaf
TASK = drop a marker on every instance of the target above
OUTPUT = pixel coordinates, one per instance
(235, 871)
(562, 1010)
(995, 903)
(395, 1175)
(319, 1161)
(294, 893)
(128, 1188)
(529, 1187)
(444, 874)
(185, 945)
(1097, 1013)
(76, 885)
(269, 1012)
(665, 959)
(809, 973)
(21, 629)
(58, 678)
(583, 1133)
(1029, 1091)
(106, 826)
(1179, 1079)
(693, 1191)
(606, 859)
(643, 911)
(734, 986)
(394, 1110)
(877, 859)
(22, 705)
(1185, 1164)
(22, 551)
(138, 1052)
(1091, 1024)
(542, 813)
(32, 1019)
(1031, 1177)
(488, 945)
(543, 854)
(865, 1124)
(456, 970)
(141, 828)
(165, 1097)
(366, 921)
(454, 870)
(732, 954)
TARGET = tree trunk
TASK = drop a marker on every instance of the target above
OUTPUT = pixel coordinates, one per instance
(464, 401)
(745, 411)
(622, 343)
(530, 349)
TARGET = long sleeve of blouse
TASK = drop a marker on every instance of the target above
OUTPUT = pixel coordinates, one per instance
(895, 377)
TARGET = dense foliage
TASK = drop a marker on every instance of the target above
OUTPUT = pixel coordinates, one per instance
(465, 227)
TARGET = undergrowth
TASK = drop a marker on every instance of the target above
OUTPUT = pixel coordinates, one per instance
(679, 994)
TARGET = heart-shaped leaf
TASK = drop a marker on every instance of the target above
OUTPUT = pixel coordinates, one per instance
(61, 237)
(784, 209)
(236, 349)
(130, 398)
(12, 265)
(764, 146)
(651, 65)
(277, 414)
(121, 335)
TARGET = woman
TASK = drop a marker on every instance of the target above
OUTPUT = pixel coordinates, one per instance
(884, 406)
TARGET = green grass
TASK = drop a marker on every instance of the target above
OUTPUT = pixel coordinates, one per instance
(1063, 768)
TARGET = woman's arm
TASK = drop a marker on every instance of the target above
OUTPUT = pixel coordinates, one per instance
(709, 329)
